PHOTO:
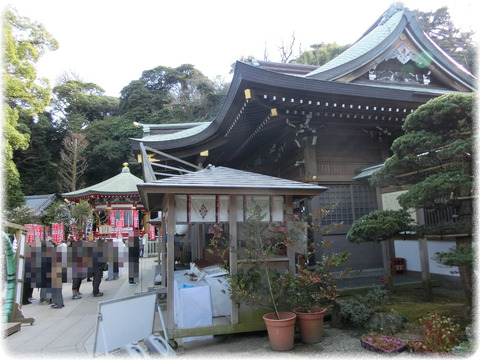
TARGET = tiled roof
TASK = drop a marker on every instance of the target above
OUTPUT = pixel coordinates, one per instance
(226, 178)
(122, 184)
(366, 44)
(40, 202)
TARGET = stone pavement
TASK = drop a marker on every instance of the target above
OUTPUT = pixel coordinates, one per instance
(71, 331)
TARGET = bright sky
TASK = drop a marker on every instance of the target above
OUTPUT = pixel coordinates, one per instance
(111, 43)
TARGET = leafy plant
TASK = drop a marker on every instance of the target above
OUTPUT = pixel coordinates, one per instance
(378, 296)
(256, 283)
(355, 312)
(379, 225)
(440, 334)
(313, 284)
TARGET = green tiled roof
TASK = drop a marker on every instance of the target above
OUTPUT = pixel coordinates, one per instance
(366, 44)
(123, 184)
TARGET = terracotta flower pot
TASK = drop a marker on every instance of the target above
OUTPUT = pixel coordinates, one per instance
(280, 332)
(310, 325)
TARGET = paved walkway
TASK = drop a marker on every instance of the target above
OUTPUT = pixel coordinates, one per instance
(71, 330)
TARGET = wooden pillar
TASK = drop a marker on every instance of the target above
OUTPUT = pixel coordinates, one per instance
(310, 157)
(232, 219)
(170, 236)
(162, 253)
(289, 216)
(386, 256)
(425, 266)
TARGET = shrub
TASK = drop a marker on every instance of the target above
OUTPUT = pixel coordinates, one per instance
(356, 313)
(440, 334)
(378, 296)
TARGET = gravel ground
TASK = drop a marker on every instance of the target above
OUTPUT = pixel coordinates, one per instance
(336, 344)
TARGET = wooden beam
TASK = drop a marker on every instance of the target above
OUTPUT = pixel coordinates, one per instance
(158, 152)
(148, 174)
(172, 168)
(427, 169)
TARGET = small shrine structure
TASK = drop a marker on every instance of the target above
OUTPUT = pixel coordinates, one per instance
(117, 205)
(217, 198)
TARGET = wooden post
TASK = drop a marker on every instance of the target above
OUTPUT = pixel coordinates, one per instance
(289, 215)
(170, 236)
(162, 253)
(310, 157)
(386, 263)
(232, 219)
(425, 265)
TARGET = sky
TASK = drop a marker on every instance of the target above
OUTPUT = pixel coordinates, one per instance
(110, 43)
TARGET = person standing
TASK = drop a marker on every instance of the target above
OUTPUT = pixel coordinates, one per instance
(99, 266)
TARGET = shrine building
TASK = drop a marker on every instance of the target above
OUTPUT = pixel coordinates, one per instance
(329, 126)
(118, 208)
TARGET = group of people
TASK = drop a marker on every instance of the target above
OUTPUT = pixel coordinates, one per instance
(50, 265)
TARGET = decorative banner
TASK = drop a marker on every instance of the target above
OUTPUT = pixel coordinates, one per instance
(30, 233)
(135, 219)
(61, 232)
(203, 208)
(152, 232)
(39, 232)
(119, 227)
(55, 233)
(112, 217)
(58, 234)
(122, 216)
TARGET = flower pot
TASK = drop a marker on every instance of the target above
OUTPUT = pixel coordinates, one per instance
(310, 325)
(280, 332)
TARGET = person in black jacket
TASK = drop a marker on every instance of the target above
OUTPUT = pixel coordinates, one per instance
(99, 266)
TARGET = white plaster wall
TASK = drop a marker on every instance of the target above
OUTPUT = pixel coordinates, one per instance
(409, 250)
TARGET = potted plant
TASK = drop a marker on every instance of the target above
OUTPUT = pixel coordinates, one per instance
(258, 284)
(313, 285)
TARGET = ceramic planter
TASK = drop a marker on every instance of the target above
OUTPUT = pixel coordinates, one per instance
(310, 325)
(280, 332)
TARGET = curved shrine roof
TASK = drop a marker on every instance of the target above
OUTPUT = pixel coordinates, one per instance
(122, 184)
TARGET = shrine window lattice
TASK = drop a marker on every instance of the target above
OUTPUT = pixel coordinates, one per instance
(353, 201)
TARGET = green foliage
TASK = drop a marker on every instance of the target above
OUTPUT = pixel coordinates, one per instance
(458, 44)
(109, 148)
(427, 193)
(257, 283)
(58, 212)
(355, 312)
(23, 214)
(23, 42)
(165, 95)
(80, 212)
(378, 296)
(78, 104)
(320, 54)
(38, 165)
(461, 255)
(379, 225)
